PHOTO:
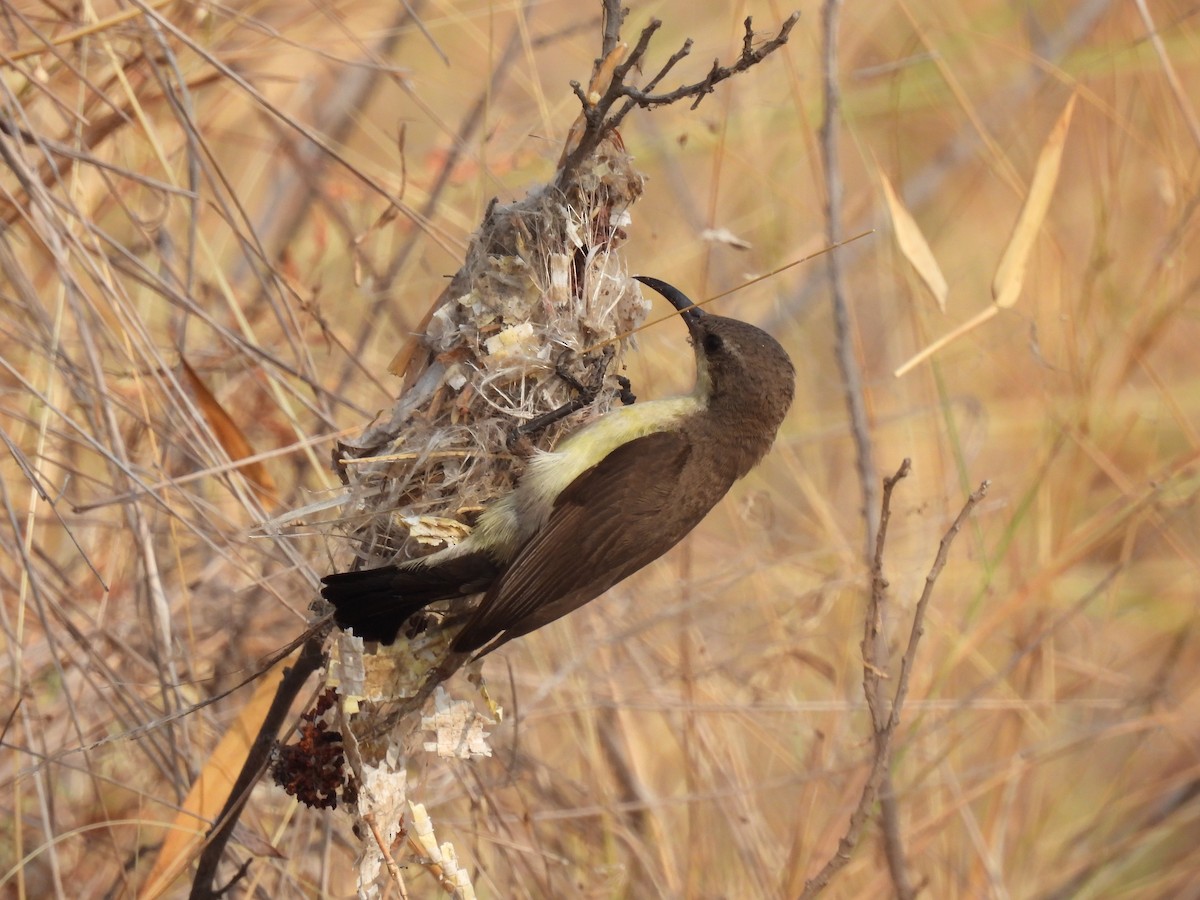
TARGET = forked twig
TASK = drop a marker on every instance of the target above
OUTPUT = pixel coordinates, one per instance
(596, 109)
(886, 721)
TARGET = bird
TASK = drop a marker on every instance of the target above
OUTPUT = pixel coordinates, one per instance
(614, 496)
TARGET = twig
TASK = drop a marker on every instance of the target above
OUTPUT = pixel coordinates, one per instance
(596, 109)
(875, 645)
(851, 374)
(914, 637)
(614, 16)
(885, 722)
(718, 73)
(875, 661)
(874, 664)
(389, 861)
(310, 660)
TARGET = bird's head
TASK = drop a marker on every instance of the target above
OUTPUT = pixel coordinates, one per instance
(740, 369)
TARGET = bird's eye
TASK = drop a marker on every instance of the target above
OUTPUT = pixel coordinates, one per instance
(713, 343)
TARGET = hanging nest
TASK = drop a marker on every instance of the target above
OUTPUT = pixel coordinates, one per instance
(543, 293)
(543, 289)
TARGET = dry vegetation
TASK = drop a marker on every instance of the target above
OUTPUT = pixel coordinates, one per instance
(200, 185)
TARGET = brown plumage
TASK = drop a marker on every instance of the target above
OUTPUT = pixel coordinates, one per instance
(615, 496)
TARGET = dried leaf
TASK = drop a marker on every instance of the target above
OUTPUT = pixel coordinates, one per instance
(208, 793)
(228, 434)
(913, 245)
(600, 82)
(970, 325)
(1010, 274)
(602, 78)
(408, 356)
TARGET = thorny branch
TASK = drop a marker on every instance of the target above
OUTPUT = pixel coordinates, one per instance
(596, 109)
(885, 721)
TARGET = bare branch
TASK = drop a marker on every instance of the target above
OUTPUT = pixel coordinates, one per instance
(860, 427)
(918, 626)
(874, 652)
(886, 723)
(662, 73)
(716, 74)
(614, 16)
(596, 109)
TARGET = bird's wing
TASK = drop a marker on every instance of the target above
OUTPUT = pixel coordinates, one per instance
(605, 526)
(374, 603)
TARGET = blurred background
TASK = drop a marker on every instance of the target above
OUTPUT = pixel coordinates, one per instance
(194, 271)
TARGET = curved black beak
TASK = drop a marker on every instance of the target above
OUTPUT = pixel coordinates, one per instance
(689, 311)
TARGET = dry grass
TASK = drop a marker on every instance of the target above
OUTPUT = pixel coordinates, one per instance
(700, 731)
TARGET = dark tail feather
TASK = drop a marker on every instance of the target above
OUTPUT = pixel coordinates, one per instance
(366, 604)
(375, 603)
